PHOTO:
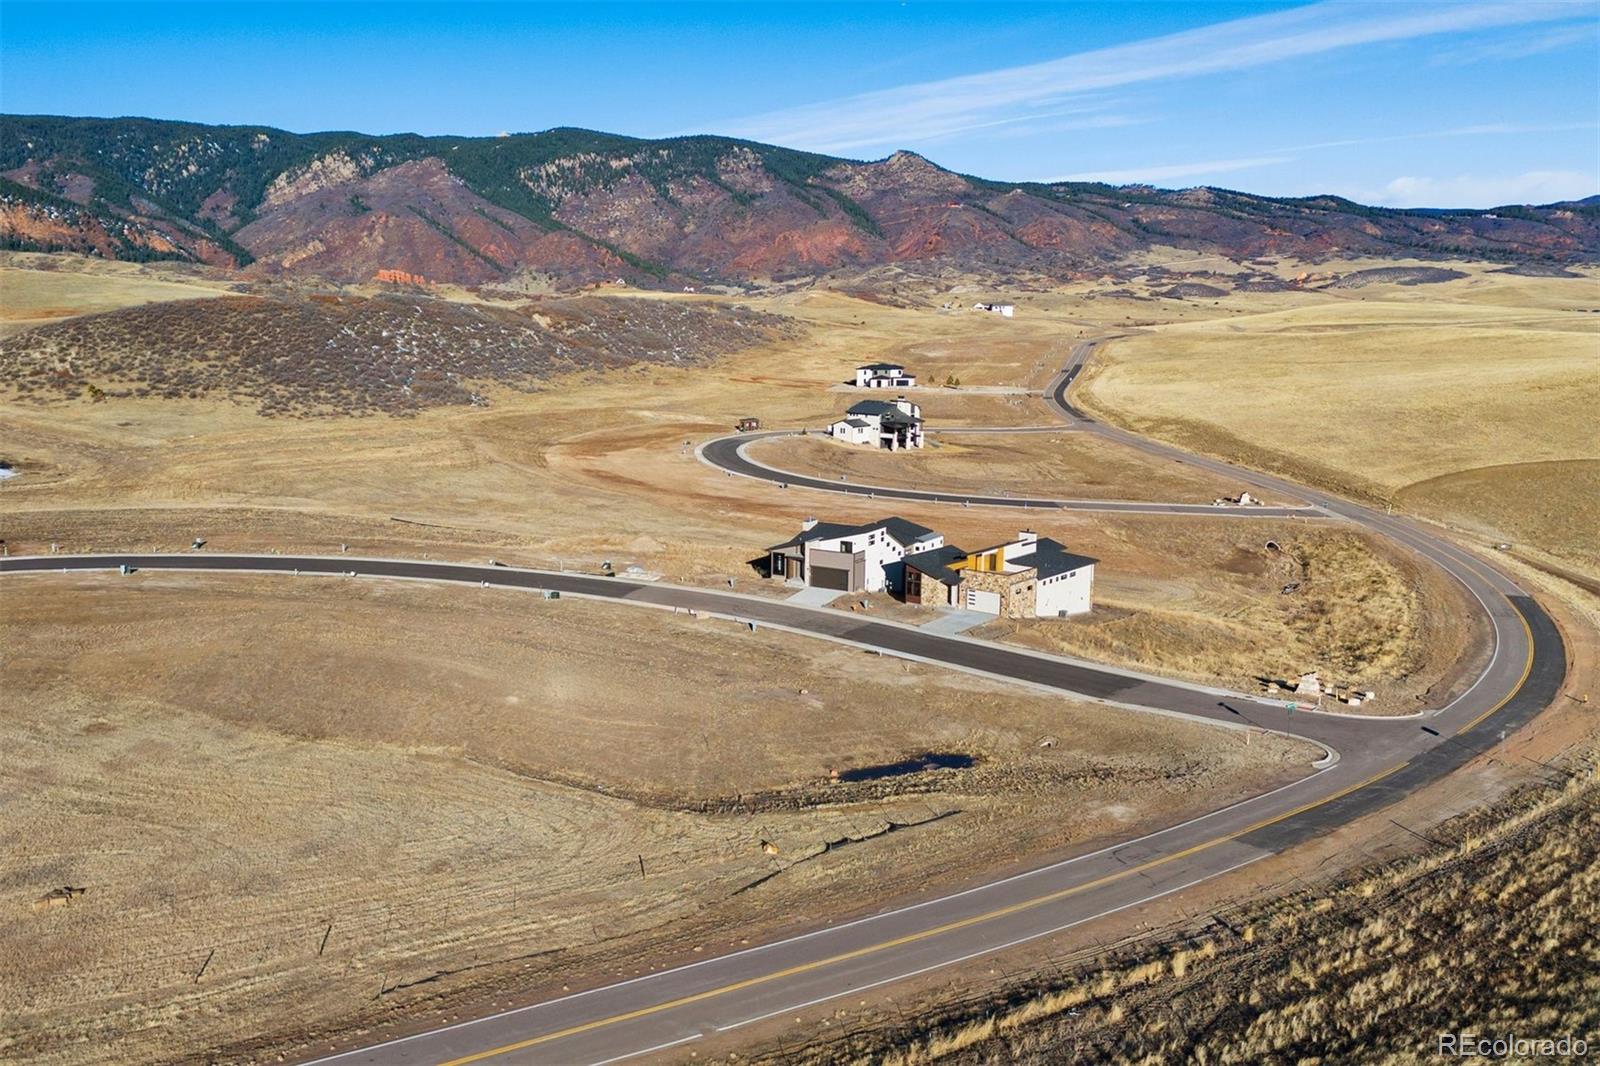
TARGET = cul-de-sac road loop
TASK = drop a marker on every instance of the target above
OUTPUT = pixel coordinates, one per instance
(1371, 763)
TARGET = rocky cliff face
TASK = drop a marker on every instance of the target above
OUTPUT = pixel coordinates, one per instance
(578, 206)
(415, 217)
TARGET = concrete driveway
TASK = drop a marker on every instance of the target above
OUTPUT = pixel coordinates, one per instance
(949, 623)
(814, 597)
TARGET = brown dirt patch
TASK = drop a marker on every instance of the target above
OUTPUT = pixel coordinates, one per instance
(238, 763)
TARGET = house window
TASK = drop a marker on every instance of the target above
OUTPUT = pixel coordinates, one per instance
(845, 546)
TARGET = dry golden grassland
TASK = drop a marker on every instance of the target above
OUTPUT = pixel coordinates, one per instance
(1063, 465)
(1548, 509)
(291, 733)
(461, 783)
(1357, 610)
(1492, 930)
(1198, 598)
(1471, 401)
(525, 480)
(30, 296)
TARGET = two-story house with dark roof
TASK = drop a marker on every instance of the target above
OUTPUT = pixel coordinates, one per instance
(893, 425)
(864, 557)
(1029, 577)
(884, 376)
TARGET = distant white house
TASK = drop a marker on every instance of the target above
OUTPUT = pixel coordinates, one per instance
(884, 376)
(1003, 310)
(893, 425)
(1029, 577)
(867, 557)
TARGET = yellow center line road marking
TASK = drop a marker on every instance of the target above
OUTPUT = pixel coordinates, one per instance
(909, 938)
(1527, 668)
(1343, 792)
(807, 967)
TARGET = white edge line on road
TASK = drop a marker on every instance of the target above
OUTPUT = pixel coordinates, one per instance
(1450, 558)
(1455, 556)
(1176, 509)
(1449, 549)
(489, 571)
(645, 1051)
(994, 948)
(880, 915)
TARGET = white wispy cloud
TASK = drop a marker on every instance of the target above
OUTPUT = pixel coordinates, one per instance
(1485, 129)
(1522, 45)
(1174, 171)
(913, 114)
(1042, 127)
(1160, 172)
(1033, 122)
(1485, 190)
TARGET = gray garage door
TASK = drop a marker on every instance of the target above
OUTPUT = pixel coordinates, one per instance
(828, 577)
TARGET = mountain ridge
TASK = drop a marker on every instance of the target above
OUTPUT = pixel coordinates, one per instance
(576, 206)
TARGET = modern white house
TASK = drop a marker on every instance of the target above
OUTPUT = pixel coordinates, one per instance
(884, 376)
(869, 557)
(1029, 577)
(1003, 310)
(893, 425)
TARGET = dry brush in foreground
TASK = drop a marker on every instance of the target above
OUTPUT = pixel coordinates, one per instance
(1493, 929)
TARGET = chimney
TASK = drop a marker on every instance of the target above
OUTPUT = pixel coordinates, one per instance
(1027, 536)
(809, 524)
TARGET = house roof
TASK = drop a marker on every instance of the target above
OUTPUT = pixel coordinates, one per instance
(1051, 558)
(871, 407)
(820, 531)
(1048, 557)
(936, 563)
(881, 366)
(1002, 544)
(856, 423)
(898, 417)
(906, 533)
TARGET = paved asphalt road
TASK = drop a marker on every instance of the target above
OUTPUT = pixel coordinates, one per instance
(1378, 761)
(728, 454)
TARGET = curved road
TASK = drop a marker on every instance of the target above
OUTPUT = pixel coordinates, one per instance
(728, 453)
(1377, 761)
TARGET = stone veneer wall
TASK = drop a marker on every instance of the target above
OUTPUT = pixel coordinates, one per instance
(1017, 591)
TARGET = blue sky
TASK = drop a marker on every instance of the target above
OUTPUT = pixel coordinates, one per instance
(1469, 103)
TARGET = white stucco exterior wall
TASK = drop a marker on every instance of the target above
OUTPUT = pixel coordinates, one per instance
(884, 379)
(882, 554)
(842, 430)
(1071, 592)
